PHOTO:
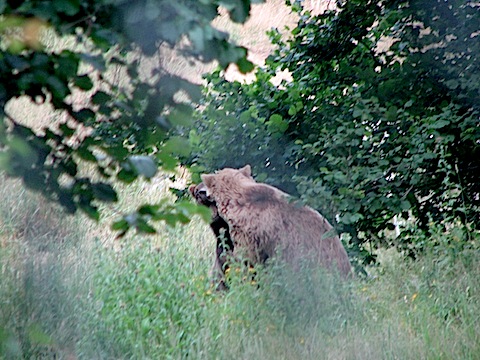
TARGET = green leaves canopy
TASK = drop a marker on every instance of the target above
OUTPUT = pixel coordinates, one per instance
(131, 122)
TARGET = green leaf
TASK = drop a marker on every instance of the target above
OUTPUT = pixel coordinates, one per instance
(144, 227)
(205, 213)
(244, 65)
(104, 192)
(84, 82)
(177, 145)
(117, 151)
(340, 177)
(68, 7)
(170, 219)
(126, 175)
(245, 116)
(120, 225)
(167, 161)
(57, 87)
(239, 9)
(146, 324)
(277, 124)
(452, 84)
(438, 124)
(90, 210)
(84, 115)
(104, 38)
(67, 65)
(66, 130)
(148, 210)
(86, 154)
(143, 165)
(391, 113)
(405, 205)
(181, 115)
(101, 97)
(197, 37)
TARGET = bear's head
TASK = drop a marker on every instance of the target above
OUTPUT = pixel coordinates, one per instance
(227, 180)
(199, 193)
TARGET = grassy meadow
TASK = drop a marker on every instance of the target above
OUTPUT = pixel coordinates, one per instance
(70, 290)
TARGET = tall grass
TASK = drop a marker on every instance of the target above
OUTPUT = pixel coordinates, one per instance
(39, 264)
(67, 290)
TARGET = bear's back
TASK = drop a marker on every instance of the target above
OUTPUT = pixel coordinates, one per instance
(297, 231)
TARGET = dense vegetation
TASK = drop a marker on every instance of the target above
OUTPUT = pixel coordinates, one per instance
(379, 120)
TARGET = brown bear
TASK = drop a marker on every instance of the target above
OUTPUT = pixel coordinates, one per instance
(265, 222)
(224, 246)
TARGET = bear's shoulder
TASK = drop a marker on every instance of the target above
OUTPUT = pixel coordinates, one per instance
(263, 195)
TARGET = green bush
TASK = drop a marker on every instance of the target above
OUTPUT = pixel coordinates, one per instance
(365, 131)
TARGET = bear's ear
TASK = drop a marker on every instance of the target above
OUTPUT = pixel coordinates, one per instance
(246, 170)
(208, 180)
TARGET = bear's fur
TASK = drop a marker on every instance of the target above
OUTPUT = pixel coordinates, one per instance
(224, 246)
(263, 222)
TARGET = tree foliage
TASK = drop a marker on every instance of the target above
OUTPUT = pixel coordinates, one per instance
(132, 121)
(380, 119)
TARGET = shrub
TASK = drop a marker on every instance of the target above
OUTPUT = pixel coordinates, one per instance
(364, 131)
